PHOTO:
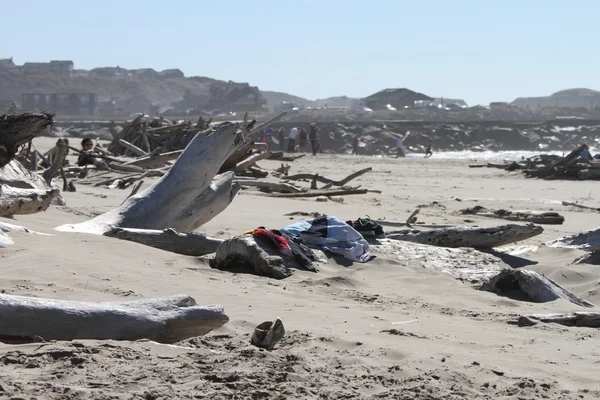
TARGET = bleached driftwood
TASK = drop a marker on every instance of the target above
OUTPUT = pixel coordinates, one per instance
(19, 129)
(15, 201)
(548, 218)
(166, 319)
(271, 186)
(580, 318)
(5, 228)
(155, 161)
(569, 203)
(536, 287)
(125, 168)
(242, 165)
(59, 152)
(588, 240)
(322, 179)
(469, 237)
(133, 148)
(186, 197)
(189, 244)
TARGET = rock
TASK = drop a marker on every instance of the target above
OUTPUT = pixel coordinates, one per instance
(268, 334)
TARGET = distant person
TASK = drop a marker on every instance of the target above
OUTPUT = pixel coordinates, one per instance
(281, 137)
(302, 138)
(292, 140)
(400, 146)
(428, 152)
(313, 136)
(86, 156)
(355, 144)
(585, 153)
(267, 138)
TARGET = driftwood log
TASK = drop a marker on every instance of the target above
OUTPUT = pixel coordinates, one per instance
(581, 318)
(189, 244)
(167, 319)
(133, 148)
(271, 186)
(569, 203)
(588, 240)
(186, 197)
(59, 152)
(155, 161)
(321, 192)
(468, 237)
(533, 286)
(544, 218)
(322, 179)
(19, 129)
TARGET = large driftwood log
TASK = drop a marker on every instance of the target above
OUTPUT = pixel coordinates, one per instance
(588, 240)
(581, 318)
(322, 179)
(186, 197)
(189, 244)
(167, 319)
(59, 152)
(469, 237)
(548, 218)
(114, 146)
(15, 201)
(534, 286)
(19, 129)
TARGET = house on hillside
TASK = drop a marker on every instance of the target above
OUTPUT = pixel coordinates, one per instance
(397, 98)
(36, 68)
(65, 102)
(234, 96)
(62, 68)
(109, 72)
(145, 73)
(132, 105)
(498, 105)
(7, 63)
(445, 102)
(171, 73)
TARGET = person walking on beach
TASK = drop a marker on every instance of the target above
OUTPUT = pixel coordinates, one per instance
(302, 137)
(292, 140)
(428, 152)
(400, 145)
(314, 138)
(355, 143)
(267, 138)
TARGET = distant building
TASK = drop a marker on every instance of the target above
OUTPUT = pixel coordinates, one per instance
(36, 68)
(171, 73)
(396, 98)
(498, 105)
(144, 73)
(445, 102)
(109, 72)
(134, 104)
(232, 96)
(67, 102)
(7, 63)
(62, 68)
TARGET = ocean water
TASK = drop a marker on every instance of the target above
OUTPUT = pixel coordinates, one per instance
(492, 156)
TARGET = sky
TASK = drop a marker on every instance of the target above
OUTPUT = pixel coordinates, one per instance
(476, 50)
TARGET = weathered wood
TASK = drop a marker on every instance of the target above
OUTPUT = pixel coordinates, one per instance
(156, 161)
(271, 186)
(186, 197)
(243, 165)
(59, 152)
(166, 319)
(322, 179)
(15, 201)
(565, 161)
(580, 318)
(136, 188)
(568, 203)
(189, 244)
(588, 240)
(326, 193)
(547, 218)
(534, 286)
(125, 168)
(19, 129)
(469, 237)
(115, 146)
(132, 148)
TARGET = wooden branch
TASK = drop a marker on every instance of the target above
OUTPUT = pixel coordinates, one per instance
(568, 203)
(260, 127)
(186, 197)
(135, 189)
(241, 166)
(155, 161)
(548, 218)
(326, 193)
(564, 162)
(469, 237)
(125, 168)
(189, 244)
(326, 180)
(271, 186)
(412, 218)
(581, 318)
(114, 146)
(166, 319)
(536, 287)
(59, 153)
(132, 148)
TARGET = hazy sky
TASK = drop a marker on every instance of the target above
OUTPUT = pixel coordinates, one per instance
(478, 50)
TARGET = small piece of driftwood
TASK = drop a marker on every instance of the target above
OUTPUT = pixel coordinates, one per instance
(320, 192)
(271, 186)
(322, 179)
(544, 218)
(580, 318)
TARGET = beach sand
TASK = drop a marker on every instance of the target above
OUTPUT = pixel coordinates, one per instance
(390, 328)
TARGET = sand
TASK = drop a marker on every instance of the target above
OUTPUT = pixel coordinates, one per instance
(395, 327)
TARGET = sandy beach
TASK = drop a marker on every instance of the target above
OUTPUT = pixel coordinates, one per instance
(395, 327)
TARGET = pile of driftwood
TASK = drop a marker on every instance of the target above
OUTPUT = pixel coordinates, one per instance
(571, 166)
